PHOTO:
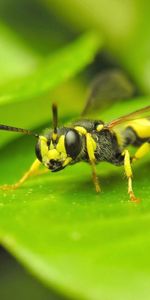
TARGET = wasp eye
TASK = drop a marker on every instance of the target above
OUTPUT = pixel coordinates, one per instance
(73, 143)
(38, 151)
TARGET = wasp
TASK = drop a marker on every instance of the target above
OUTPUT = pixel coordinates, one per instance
(91, 141)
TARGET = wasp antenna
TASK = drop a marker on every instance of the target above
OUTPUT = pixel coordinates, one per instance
(16, 129)
(55, 117)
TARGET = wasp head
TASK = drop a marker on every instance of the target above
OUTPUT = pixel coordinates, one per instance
(56, 151)
(59, 147)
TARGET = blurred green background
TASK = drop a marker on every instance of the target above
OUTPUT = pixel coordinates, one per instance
(78, 245)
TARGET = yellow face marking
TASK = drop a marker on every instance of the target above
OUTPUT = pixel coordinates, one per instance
(51, 145)
(48, 154)
(43, 139)
(53, 154)
(67, 161)
(61, 145)
(57, 152)
(54, 136)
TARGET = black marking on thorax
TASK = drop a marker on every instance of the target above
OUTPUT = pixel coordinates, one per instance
(89, 125)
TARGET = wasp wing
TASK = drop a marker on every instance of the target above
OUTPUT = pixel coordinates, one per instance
(138, 114)
(108, 86)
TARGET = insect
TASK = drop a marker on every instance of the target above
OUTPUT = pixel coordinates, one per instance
(91, 141)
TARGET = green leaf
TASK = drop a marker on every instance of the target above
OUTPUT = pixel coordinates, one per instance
(85, 245)
(37, 112)
(38, 28)
(125, 28)
(15, 58)
(16, 283)
(56, 69)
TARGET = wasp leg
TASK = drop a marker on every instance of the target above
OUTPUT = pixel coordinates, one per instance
(91, 146)
(142, 151)
(90, 150)
(128, 171)
(34, 170)
(95, 178)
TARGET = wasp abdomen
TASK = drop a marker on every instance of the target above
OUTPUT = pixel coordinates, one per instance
(132, 137)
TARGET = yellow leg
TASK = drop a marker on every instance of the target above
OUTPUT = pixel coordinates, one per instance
(90, 149)
(95, 178)
(142, 151)
(34, 170)
(128, 171)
